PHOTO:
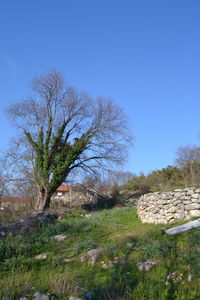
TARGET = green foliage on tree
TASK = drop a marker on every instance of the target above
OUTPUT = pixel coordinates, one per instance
(66, 129)
(157, 180)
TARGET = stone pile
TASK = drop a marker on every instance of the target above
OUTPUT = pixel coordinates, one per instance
(168, 207)
(26, 225)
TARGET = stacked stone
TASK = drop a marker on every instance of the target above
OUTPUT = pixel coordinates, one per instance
(168, 207)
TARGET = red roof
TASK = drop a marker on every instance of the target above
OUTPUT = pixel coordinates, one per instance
(64, 188)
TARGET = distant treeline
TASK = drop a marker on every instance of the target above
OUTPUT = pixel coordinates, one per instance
(186, 172)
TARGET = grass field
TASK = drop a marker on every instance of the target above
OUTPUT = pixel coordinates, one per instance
(21, 274)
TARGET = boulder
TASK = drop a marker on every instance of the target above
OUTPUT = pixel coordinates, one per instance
(194, 213)
(40, 296)
(41, 256)
(58, 237)
(192, 206)
(146, 265)
(195, 196)
(27, 224)
(174, 276)
(92, 255)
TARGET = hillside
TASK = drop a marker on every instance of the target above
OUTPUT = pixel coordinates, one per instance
(126, 250)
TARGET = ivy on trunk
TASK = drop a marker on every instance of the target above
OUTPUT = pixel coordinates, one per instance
(66, 129)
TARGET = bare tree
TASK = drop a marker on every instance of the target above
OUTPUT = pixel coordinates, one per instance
(119, 178)
(17, 160)
(188, 159)
(4, 179)
(65, 129)
(112, 180)
(2, 186)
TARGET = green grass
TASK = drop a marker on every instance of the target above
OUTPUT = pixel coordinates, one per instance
(22, 275)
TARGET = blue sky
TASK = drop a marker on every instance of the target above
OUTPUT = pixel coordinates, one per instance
(144, 54)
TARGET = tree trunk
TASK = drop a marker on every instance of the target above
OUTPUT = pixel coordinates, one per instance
(43, 200)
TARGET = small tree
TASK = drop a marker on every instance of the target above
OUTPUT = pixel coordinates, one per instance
(188, 159)
(66, 129)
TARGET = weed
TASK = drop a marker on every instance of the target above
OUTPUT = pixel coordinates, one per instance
(111, 230)
(194, 238)
(157, 249)
(20, 263)
(86, 246)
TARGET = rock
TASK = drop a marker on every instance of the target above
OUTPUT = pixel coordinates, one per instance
(165, 202)
(177, 195)
(151, 219)
(59, 237)
(23, 298)
(184, 227)
(129, 245)
(88, 216)
(166, 196)
(68, 259)
(195, 196)
(104, 266)
(195, 200)
(27, 224)
(190, 276)
(174, 276)
(169, 216)
(186, 202)
(195, 213)
(92, 255)
(156, 210)
(172, 209)
(88, 296)
(40, 296)
(171, 221)
(2, 232)
(181, 208)
(118, 259)
(146, 265)
(185, 197)
(41, 256)
(179, 215)
(74, 298)
(193, 206)
(161, 221)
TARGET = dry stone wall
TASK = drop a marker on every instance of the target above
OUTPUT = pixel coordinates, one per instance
(76, 197)
(168, 207)
(80, 196)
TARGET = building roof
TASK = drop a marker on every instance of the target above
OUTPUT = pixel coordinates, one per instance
(64, 188)
(12, 199)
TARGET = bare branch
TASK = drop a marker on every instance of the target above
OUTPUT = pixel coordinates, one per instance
(66, 129)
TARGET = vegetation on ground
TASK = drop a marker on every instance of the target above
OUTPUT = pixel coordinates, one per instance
(124, 239)
(166, 179)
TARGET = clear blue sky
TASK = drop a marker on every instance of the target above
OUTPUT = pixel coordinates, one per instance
(143, 53)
